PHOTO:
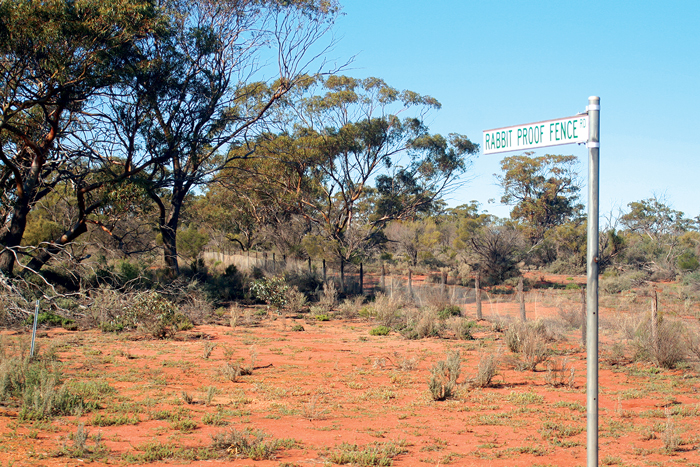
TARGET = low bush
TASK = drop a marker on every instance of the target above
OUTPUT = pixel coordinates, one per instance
(350, 307)
(461, 328)
(670, 348)
(443, 377)
(328, 297)
(386, 309)
(295, 300)
(251, 444)
(379, 331)
(530, 341)
(421, 323)
(270, 290)
(486, 370)
(449, 311)
(613, 283)
(34, 384)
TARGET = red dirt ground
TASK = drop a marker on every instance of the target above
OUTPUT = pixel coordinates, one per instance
(334, 383)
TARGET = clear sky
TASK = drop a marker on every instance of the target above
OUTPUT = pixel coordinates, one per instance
(499, 63)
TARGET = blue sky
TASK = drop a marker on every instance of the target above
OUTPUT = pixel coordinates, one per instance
(499, 63)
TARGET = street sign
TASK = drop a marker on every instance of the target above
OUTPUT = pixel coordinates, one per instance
(567, 130)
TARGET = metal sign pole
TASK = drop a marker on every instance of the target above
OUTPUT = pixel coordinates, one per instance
(592, 286)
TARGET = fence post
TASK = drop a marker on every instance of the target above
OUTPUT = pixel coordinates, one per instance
(477, 290)
(521, 293)
(443, 278)
(584, 321)
(655, 322)
(362, 280)
(324, 270)
(410, 282)
(342, 275)
(383, 278)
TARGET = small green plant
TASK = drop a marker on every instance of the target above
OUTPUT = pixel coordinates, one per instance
(215, 419)
(443, 377)
(322, 317)
(185, 425)
(117, 420)
(271, 290)
(297, 328)
(379, 331)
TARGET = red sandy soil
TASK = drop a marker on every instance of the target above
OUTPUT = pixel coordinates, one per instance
(334, 383)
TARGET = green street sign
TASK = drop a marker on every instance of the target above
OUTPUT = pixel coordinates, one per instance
(567, 130)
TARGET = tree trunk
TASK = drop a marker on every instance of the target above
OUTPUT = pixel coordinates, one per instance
(477, 290)
(45, 255)
(12, 237)
(169, 235)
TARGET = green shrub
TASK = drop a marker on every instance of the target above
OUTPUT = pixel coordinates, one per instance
(226, 287)
(150, 312)
(35, 385)
(449, 311)
(271, 290)
(379, 331)
(49, 318)
(688, 262)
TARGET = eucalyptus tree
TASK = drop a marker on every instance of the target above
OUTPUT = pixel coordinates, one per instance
(55, 58)
(543, 190)
(207, 87)
(354, 155)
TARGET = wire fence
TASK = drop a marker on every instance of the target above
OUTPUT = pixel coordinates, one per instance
(499, 302)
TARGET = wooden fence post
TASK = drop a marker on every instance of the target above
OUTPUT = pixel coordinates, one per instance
(477, 290)
(655, 322)
(521, 293)
(362, 280)
(383, 277)
(342, 275)
(324, 271)
(584, 318)
(410, 282)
